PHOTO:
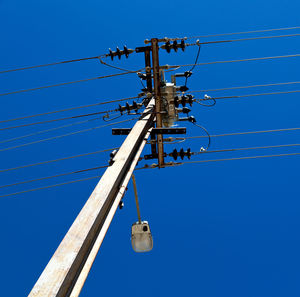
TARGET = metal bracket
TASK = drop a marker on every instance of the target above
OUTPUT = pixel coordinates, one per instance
(126, 131)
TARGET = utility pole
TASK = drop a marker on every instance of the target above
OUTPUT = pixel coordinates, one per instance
(67, 270)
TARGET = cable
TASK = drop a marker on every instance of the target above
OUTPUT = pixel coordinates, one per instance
(64, 135)
(51, 186)
(52, 176)
(241, 158)
(47, 130)
(233, 61)
(57, 119)
(68, 109)
(247, 148)
(246, 87)
(208, 145)
(68, 83)
(214, 102)
(245, 32)
(51, 64)
(57, 160)
(196, 61)
(240, 133)
(243, 39)
(191, 162)
(249, 95)
(112, 66)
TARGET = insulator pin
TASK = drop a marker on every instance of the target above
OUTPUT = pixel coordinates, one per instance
(118, 53)
(175, 154)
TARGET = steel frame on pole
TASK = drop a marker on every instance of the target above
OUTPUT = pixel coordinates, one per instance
(158, 109)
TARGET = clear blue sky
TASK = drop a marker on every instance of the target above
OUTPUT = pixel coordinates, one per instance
(220, 229)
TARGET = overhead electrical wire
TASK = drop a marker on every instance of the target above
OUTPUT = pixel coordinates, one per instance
(239, 133)
(234, 61)
(239, 158)
(51, 64)
(69, 82)
(53, 176)
(242, 39)
(50, 186)
(104, 55)
(64, 135)
(245, 32)
(105, 166)
(246, 148)
(247, 87)
(47, 130)
(247, 95)
(57, 160)
(68, 109)
(58, 119)
(177, 138)
(147, 167)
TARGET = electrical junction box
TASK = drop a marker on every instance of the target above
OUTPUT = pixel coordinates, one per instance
(168, 93)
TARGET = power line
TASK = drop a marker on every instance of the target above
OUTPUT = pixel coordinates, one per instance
(245, 32)
(53, 176)
(51, 186)
(147, 167)
(47, 130)
(51, 64)
(239, 133)
(248, 95)
(240, 158)
(105, 166)
(58, 119)
(234, 61)
(64, 135)
(242, 39)
(69, 109)
(246, 148)
(246, 87)
(57, 160)
(69, 82)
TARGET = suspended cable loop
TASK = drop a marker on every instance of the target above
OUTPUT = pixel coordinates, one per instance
(69, 82)
(208, 135)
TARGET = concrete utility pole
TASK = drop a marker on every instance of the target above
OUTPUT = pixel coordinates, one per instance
(67, 270)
